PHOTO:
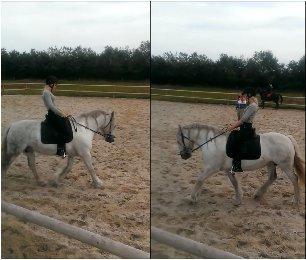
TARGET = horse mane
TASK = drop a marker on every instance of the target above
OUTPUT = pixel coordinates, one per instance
(94, 113)
(201, 126)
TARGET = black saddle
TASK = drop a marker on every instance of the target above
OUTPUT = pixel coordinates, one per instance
(248, 149)
(51, 135)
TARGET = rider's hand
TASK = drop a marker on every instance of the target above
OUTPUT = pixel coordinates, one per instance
(66, 115)
(229, 128)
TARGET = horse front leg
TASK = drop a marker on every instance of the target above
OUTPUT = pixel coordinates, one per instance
(200, 180)
(88, 162)
(238, 191)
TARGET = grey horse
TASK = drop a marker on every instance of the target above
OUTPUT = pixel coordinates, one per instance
(25, 137)
(276, 149)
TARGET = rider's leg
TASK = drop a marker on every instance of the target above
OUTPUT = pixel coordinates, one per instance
(236, 159)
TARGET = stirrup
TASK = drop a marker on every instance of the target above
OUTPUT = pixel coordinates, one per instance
(62, 153)
(234, 170)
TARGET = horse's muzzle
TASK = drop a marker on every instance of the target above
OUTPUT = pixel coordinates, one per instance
(185, 154)
(109, 138)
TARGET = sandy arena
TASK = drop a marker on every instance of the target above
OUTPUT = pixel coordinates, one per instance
(120, 211)
(271, 228)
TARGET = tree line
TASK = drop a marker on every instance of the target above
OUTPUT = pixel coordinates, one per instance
(261, 69)
(78, 63)
(134, 64)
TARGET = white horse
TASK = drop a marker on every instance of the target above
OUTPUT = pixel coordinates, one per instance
(276, 149)
(25, 137)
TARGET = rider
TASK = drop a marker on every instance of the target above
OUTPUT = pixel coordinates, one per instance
(268, 90)
(241, 104)
(246, 130)
(55, 116)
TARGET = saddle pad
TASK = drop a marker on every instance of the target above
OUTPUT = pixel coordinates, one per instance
(49, 134)
(247, 150)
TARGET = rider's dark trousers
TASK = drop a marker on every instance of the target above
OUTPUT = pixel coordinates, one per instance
(246, 131)
(60, 123)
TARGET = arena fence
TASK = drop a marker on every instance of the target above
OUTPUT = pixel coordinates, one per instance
(87, 237)
(190, 246)
(105, 90)
(217, 97)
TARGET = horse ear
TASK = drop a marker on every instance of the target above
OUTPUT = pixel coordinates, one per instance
(112, 114)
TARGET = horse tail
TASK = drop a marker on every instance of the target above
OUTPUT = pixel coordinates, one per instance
(4, 147)
(299, 163)
(281, 98)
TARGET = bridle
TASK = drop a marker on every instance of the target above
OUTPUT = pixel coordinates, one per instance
(107, 136)
(186, 149)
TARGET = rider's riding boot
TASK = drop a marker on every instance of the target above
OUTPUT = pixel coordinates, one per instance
(237, 165)
(61, 151)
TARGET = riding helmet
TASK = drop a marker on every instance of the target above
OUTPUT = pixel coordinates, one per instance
(50, 80)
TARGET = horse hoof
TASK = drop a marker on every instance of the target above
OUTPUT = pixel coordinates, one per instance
(54, 183)
(237, 203)
(98, 185)
(257, 197)
(42, 183)
(193, 199)
(296, 202)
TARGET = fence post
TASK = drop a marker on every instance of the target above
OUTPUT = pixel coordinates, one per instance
(114, 94)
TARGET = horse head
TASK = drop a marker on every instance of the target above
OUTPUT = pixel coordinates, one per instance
(109, 128)
(184, 142)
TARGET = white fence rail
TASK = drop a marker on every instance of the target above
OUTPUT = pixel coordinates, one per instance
(210, 92)
(87, 237)
(69, 84)
(190, 246)
(110, 93)
(226, 94)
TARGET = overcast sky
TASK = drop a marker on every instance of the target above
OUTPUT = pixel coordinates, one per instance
(232, 28)
(39, 25)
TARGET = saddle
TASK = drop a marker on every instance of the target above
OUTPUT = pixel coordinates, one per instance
(50, 135)
(249, 149)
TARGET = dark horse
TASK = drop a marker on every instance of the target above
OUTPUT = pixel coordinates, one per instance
(270, 96)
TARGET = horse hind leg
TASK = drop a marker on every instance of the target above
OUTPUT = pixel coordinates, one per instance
(272, 177)
(63, 173)
(294, 179)
(6, 161)
(29, 152)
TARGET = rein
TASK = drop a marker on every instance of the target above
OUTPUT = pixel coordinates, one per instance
(209, 140)
(74, 122)
(198, 147)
